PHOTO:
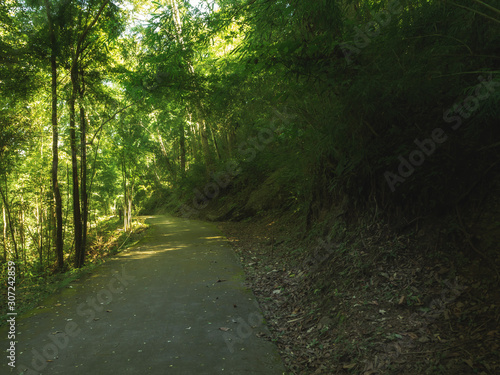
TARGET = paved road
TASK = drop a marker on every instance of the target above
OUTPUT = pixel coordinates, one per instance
(176, 304)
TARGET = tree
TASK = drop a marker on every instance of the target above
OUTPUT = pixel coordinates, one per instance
(59, 241)
(85, 41)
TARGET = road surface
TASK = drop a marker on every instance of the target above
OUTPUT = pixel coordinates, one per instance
(174, 304)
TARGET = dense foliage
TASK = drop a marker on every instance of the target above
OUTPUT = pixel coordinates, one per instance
(109, 107)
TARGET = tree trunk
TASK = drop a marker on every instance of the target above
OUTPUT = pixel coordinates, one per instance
(80, 230)
(205, 146)
(21, 232)
(4, 212)
(202, 124)
(195, 141)
(182, 145)
(49, 213)
(125, 196)
(39, 226)
(214, 140)
(83, 162)
(130, 195)
(9, 218)
(52, 230)
(59, 241)
(77, 217)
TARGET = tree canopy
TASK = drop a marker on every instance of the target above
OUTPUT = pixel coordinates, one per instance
(116, 106)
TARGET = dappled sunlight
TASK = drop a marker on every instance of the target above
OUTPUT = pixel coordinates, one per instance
(152, 251)
(214, 238)
(352, 147)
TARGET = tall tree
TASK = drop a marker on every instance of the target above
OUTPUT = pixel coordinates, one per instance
(59, 241)
(84, 41)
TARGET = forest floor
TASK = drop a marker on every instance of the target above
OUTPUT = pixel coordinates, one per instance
(371, 301)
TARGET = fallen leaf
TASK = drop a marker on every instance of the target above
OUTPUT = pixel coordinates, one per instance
(401, 300)
(469, 362)
(352, 365)
(398, 348)
(225, 329)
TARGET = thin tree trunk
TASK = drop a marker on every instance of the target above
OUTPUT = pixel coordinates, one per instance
(48, 231)
(68, 200)
(205, 146)
(21, 231)
(216, 145)
(4, 212)
(59, 241)
(77, 214)
(202, 123)
(125, 196)
(182, 145)
(52, 230)
(39, 210)
(130, 195)
(9, 218)
(195, 142)
(84, 195)
(77, 217)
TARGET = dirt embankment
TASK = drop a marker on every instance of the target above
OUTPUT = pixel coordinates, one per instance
(365, 297)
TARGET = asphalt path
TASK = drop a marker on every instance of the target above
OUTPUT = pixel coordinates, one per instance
(174, 304)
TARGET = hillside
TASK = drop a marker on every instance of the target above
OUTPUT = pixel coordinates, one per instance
(366, 295)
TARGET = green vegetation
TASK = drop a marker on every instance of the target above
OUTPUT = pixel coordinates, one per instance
(37, 283)
(325, 109)
(385, 104)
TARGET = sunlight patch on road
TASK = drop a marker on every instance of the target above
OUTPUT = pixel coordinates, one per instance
(214, 238)
(143, 254)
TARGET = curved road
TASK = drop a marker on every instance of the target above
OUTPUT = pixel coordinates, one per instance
(175, 304)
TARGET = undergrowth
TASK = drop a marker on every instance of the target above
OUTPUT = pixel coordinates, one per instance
(106, 239)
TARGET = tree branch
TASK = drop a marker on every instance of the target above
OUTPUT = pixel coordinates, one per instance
(488, 6)
(111, 118)
(475, 11)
